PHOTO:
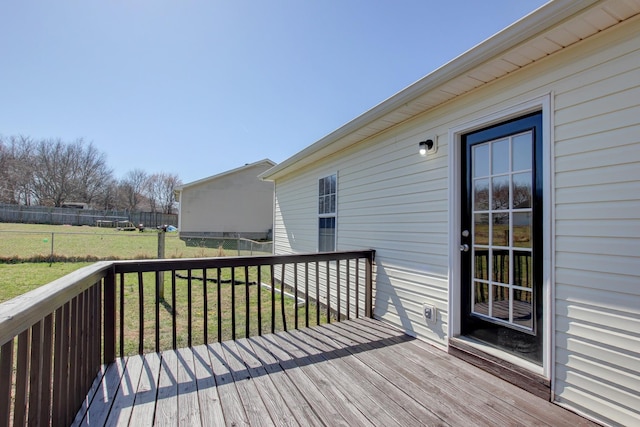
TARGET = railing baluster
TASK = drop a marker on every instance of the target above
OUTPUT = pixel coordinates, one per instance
(259, 298)
(174, 331)
(295, 295)
(157, 308)
(140, 313)
(189, 309)
(73, 359)
(317, 293)
(35, 371)
(6, 366)
(45, 405)
(273, 299)
(109, 320)
(357, 300)
(97, 325)
(368, 293)
(348, 291)
(246, 300)
(233, 303)
(21, 379)
(306, 294)
(122, 298)
(205, 308)
(58, 371)
(282, 307)
(338, 294)
(219, 302)
(328, 293)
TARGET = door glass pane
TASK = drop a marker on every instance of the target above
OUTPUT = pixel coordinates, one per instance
(500, 305)
(480, 298)
(500, 156)
(500, 193)
(522, 149)
(522, 229)
(522, 271)
(481, 160)
(500, 234)
(481, 229)
(521, 191)
(522, 308)
(481, 195)
(481, 264)
(500, 266)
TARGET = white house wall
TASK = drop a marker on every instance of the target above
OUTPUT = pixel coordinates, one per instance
(396, 202)
(234, 203)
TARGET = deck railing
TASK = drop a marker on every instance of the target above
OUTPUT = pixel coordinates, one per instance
(55, 339)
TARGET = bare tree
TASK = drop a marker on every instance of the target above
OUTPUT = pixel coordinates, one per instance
(68, 172)
(132, 189)
(16, 170)
(160, 191)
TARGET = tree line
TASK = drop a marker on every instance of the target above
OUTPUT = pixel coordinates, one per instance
(52, 172)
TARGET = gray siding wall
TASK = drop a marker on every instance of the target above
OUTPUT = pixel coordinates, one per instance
(237, 204)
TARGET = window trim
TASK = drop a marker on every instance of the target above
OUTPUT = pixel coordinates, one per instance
(333, 214)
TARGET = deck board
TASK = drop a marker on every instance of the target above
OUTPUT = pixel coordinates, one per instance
(354, 373)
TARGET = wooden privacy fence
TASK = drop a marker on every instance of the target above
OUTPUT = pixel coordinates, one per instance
(55, 339)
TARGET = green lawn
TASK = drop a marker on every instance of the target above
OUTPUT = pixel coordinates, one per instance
(20, 242)
(16, 279)
(37, 242)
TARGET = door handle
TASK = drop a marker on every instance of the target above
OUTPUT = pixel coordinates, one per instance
(464, 248)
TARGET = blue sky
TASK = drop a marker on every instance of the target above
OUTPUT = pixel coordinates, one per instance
(197, 87)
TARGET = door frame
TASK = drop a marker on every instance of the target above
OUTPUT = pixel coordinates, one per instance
(544, 104)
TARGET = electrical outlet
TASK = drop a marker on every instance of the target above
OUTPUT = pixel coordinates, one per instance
(429, 313)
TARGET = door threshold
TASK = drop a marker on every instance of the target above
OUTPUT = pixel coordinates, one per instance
(523, 374)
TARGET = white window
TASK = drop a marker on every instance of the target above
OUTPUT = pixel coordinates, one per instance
(327, 213)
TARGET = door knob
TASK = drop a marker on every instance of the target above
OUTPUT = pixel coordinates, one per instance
(464, 248)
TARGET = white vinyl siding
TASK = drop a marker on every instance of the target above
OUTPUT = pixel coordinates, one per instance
(397, 202)
(597, 220)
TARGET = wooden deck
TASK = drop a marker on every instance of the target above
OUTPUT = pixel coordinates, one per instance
(351, 373)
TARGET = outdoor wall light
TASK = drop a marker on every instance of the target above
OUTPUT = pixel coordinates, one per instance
(425, 146)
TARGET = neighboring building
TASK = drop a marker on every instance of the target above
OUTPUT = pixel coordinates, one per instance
(231, 204)
(521, 225)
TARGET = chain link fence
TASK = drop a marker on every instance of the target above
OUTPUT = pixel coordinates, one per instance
(90, 217)
(231, 245)
(93, 244)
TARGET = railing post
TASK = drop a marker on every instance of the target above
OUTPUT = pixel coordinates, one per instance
(368, 293)
(110, 317)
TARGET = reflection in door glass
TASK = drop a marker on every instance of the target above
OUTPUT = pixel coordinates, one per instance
(500, 229)
(481, 194)
(500, 303)
(481, 160)
(522, 229)
(522, 308)
(500, 156)
(522, 271)
(481, 229)
(503, 229)
(521, 191)
(500, 261)
(500, 192)
(481, 298)
(522, 152)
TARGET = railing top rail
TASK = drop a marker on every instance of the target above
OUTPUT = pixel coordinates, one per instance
(23, 311)
(129, 266)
